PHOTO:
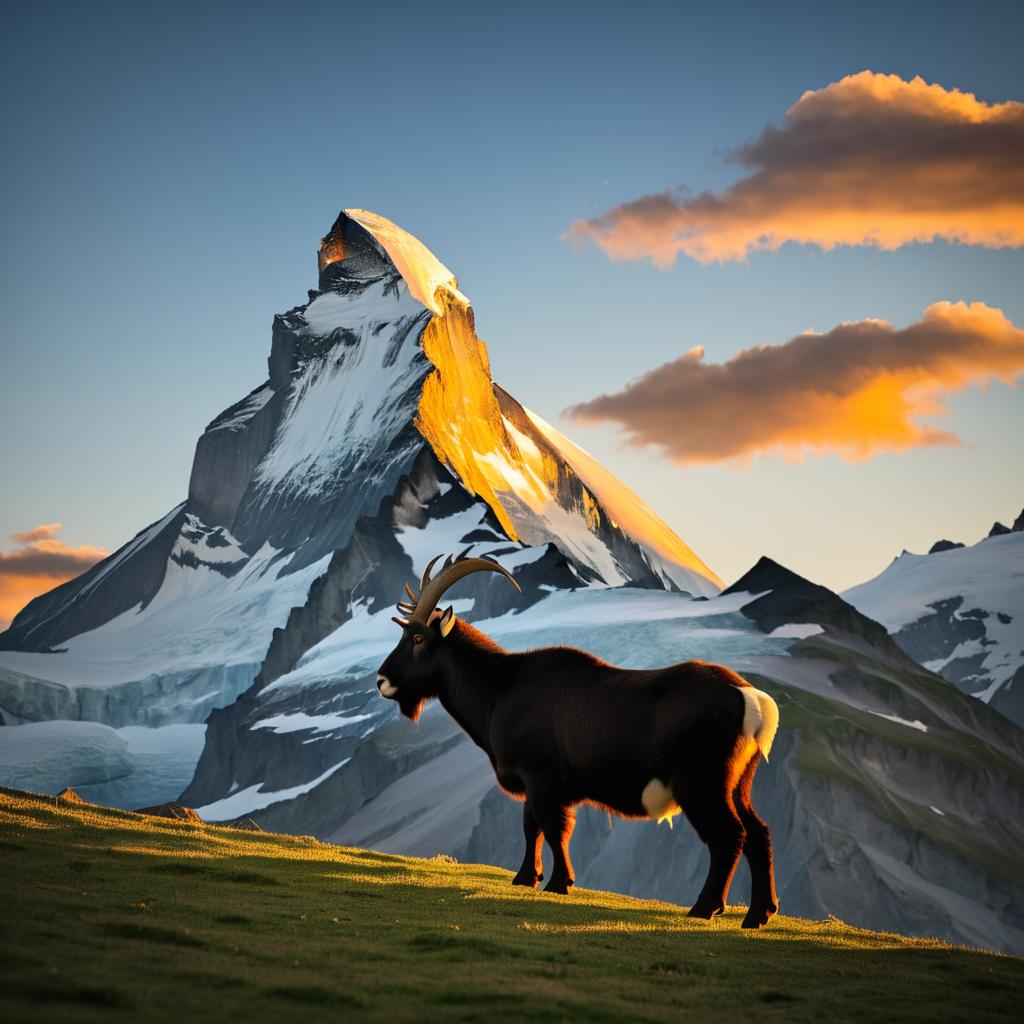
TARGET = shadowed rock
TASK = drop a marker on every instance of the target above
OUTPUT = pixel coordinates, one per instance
(171, 810)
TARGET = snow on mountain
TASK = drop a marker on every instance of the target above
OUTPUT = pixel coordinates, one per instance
(959, 612)
(345, 407)
(421, 270)
(671, 558)
(195, 645)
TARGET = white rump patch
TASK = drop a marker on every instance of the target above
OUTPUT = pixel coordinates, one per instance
(659, 803)
(760, 718)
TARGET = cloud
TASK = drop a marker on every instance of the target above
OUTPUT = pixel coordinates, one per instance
(869, 160)
(38, 564)
(858, 390)
(43, 532)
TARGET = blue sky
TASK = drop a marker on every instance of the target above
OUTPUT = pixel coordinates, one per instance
(169, 170)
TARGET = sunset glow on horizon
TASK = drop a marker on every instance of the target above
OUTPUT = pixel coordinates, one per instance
(39, 562)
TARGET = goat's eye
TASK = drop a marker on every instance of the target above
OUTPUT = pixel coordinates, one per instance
(417, 639)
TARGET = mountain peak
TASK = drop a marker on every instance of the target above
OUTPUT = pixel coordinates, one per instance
(792, 599)
(767, 574)
(361, 242)
(944, 545)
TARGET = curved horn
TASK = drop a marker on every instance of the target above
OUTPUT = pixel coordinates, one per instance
(432, 590)
(426, 573)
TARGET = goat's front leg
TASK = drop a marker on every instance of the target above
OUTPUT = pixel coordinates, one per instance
(557, 820)
(532, 870)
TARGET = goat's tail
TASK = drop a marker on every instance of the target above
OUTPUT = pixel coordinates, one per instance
(760, 718)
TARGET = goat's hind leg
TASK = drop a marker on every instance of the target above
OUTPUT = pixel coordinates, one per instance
(757, 848)
(710, 809)
(532, 870)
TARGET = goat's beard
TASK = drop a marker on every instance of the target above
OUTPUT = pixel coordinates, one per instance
(411, 707)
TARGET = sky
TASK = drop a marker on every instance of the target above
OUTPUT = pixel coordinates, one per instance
(598, 178)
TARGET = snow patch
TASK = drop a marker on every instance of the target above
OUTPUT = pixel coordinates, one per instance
(253, 798)
(797, 630)
(211, 545)
(299, 720)
(920, 726)
(345, 407)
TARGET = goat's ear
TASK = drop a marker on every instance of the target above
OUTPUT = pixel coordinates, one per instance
(447, 621)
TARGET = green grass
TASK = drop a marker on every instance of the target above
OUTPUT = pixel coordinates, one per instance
(109, 916)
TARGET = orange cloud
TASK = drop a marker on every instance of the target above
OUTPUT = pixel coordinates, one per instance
(869, 160)
(38, 564)
(860, 389)
(43, 532)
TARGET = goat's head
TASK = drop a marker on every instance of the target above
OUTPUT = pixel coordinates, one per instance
(412, 672)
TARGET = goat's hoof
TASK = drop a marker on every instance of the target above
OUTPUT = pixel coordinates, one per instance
(758, 917)
(706, 911)
(529, 880)
(559, 886)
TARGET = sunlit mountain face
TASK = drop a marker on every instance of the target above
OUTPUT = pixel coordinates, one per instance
(540, 486)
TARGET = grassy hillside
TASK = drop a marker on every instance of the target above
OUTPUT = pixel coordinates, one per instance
(111, 916)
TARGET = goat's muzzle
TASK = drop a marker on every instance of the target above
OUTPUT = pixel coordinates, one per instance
(386, 687)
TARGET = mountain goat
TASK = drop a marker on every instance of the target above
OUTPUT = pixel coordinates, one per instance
(563, 728)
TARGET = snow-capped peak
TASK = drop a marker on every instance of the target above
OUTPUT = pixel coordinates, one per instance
(960, 612)
(423, 272)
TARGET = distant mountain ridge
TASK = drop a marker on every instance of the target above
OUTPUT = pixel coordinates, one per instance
(960, 612)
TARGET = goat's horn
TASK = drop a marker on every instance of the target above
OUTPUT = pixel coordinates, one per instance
(404, 606)
(426, 573)
(433, 590)
(402, 622)
(408, 590)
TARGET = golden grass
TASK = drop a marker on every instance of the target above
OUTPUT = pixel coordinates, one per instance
(112, 916)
